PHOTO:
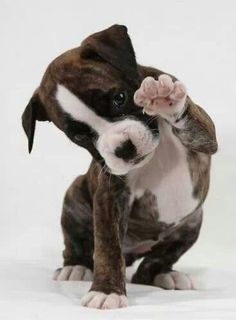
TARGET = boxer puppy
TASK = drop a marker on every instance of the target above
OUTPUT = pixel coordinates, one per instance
(151, 146)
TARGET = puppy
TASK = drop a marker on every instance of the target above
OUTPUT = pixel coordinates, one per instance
(151, 146)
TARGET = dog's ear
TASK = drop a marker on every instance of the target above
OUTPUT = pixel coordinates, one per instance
(114, 46)
(33, 111)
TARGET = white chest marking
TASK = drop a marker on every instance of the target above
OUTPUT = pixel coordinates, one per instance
(167, 177)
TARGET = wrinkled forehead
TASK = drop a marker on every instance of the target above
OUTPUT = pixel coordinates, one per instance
(80, 75)
(91, 77)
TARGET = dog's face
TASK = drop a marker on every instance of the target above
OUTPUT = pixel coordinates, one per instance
(88, 93)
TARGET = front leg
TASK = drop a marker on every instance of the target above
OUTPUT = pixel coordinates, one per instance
(110, 219)
(169, 100)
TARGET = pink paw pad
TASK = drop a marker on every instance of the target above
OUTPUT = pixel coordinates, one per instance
(162, 96)
(164, 85)
(179, 91)
(149, 88)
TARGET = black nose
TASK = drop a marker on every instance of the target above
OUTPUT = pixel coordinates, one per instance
(126, 151)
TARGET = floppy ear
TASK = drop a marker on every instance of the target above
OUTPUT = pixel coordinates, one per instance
(33, 111)
(114, 46)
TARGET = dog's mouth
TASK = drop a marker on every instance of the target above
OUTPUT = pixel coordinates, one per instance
(125, 167)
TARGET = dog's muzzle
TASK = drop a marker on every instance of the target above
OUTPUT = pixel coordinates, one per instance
(127, 144)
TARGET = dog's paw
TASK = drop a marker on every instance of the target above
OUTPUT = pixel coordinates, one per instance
(100, 300)
(73, 273)
(174, 280)
(161, 97)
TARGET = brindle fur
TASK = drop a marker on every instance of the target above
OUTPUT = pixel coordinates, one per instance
(168, 250)
(97, 220)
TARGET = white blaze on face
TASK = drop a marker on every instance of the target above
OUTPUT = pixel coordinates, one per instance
(79, 111)
(110, 134)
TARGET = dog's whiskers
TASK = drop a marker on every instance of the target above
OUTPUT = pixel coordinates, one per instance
(153, 118)
(109, 181)
(103, 169)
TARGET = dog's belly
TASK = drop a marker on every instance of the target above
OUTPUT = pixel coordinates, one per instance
(167, 177)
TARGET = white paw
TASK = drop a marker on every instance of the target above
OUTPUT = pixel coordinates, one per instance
(73, 273)
(162, 96)
(174, 280)
(100, 300)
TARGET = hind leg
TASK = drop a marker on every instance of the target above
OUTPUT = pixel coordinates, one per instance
(157, 266)
(77, 227)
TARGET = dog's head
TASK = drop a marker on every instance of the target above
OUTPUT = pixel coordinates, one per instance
(87, 92)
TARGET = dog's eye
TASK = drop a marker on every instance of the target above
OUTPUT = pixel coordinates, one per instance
(119, 99)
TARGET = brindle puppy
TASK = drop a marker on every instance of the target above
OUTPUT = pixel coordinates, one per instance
(151, 146)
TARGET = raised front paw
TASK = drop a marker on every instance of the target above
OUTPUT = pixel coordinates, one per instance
(161, 97)
(100, 300)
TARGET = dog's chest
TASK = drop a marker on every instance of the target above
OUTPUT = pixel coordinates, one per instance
(167, 176)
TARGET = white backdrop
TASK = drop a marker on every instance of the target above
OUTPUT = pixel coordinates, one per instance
(194, 40)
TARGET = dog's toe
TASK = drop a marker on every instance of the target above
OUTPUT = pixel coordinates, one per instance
(73, 273)
(100, 300)
(174, 280)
